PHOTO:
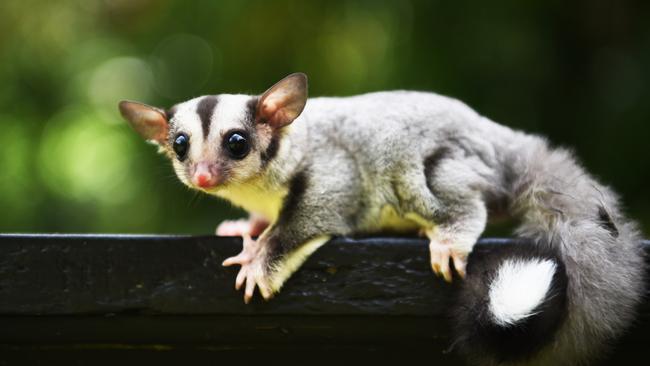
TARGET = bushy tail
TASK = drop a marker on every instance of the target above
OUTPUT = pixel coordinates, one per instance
(572, 284)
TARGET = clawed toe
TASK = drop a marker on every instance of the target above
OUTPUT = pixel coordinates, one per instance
(251, 273)
(241, 259)
(460, 265)
(241, 278)
(252, 278)
(440, 261)
(249, 252)
(250, 289)
(441, 257)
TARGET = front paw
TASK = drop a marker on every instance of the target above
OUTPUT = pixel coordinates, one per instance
(234, 228)
(252, 272)
(252, 275)
(254, 226)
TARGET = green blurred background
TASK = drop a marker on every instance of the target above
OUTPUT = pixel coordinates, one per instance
(576, 71)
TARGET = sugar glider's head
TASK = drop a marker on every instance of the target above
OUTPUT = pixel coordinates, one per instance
(221, 139)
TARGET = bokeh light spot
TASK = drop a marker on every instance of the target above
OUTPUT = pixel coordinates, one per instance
(116, 79)
(86, 160)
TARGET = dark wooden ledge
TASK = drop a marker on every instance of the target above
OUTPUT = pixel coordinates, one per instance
(97, 298)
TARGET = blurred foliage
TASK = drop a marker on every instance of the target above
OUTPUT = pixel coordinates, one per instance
(577, 71)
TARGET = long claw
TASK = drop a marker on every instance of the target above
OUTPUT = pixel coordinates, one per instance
(241, 277)
(459, 265)
(441, 256)
(437, 258)
(250, 289)
(444, 268)
(433, 254)
(435, 266)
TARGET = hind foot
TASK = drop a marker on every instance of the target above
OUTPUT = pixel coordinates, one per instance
(443, 254)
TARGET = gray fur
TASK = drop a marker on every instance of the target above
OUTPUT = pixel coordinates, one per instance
(433, 156)
(384, 138)
(367, 151)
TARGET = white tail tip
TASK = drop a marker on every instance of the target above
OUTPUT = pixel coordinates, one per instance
(518, 288)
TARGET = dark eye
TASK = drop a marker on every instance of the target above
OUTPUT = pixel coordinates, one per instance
(237, 144)
(181, 146)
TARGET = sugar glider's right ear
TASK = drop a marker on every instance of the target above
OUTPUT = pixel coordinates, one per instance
(150, 122)
(284, 101)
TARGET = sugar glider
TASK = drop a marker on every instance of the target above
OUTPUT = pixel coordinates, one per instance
(415, 162)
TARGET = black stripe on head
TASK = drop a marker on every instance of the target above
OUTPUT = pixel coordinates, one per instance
(205, 110)
(251, 110)
(271, 150)
(274, 145)
(170, 113)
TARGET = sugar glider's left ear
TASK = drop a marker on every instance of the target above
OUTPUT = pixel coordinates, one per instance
(150, 122)
(284, 101)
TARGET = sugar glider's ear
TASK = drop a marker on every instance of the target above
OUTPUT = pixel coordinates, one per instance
(150, 122)
(284, 101)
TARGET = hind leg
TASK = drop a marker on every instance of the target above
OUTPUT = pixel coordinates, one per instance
(451, 241)
(448, 205)
(458, 185)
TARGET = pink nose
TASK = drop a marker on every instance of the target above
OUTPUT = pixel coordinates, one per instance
(203, 176)
(203, 180)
